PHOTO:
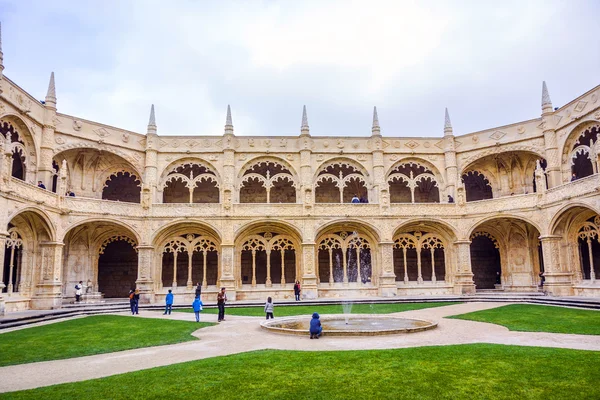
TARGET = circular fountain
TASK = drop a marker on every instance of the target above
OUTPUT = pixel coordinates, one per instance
(350, 324)
(357, 325)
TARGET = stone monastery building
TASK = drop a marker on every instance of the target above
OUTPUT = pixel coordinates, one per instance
(495, 209)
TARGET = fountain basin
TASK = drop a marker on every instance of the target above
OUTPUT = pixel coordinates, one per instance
(358, 325)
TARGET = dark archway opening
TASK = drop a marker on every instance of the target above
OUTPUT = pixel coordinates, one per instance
(485, 262)
(18, 166)
(477, 187)
(584, 256)
(117, 269)
(582, 166)
(122, 186)
(16, 272)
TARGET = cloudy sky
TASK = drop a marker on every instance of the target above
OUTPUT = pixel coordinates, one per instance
(484, 60)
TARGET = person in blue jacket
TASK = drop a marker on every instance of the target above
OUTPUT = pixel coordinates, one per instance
(197, 306)
(315, 326)
(169, 303)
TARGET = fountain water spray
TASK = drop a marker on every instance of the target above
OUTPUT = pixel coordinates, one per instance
(347, 307)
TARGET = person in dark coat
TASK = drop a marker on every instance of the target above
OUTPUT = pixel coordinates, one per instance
(136, 298)
(132, 301)
(221, 299)
(297, 290)
(198, 290)
(315, 326)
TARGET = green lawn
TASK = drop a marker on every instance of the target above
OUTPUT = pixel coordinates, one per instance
(91, 335)
(286, 311)
(536, 318)
(480, 371)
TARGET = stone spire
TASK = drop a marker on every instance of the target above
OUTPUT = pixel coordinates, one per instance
(304, 129)
(447, 124)
(152, 121)
(228, 121)
(51, 95)
(1, 57)
(546, 102)
(375, 129)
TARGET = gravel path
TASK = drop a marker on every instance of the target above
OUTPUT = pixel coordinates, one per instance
(241, 334)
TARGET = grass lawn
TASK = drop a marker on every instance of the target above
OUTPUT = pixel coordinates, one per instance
(480, 371)
(287, 311)
(536, 318)
(91, 335)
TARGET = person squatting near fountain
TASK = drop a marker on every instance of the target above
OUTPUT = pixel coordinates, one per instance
(168, 302)
(221, 299)
(315, 326)
(197, 306)
(269, 308)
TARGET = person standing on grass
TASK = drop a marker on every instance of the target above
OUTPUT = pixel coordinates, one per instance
(221, 299)
(315, 326)
(297, 290)
(269, 308)
(136, 298)
(169, 303)
(132, 301)
(197, 306)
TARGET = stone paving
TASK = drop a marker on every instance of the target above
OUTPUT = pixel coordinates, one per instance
(241, 334)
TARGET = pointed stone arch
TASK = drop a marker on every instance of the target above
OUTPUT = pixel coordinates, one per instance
(414, 181)
(22, 146)
(268, 180)
(190, 180)
(580, 151)
(339, 179)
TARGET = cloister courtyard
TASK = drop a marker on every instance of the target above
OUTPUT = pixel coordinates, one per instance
(483, 350)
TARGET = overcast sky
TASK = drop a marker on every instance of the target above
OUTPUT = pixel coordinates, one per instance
(484, 60)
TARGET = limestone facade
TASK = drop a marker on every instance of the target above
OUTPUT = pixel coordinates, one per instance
(496, 209)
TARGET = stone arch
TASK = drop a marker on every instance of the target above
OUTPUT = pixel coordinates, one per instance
(87, 164)
(187, 252)
(477, 186)
(339, 179)
(467, 163)
(122, 185)
(422, 252)
(29, 263)
(486, 258)
(101, 253)
(505, 216)
(47, 223)
(190, 180)
(576, 148)
(23, 146)
(135, 163)
(519, 247)
(414, 180)
(257, 184)
(576, 226)
(267, 253)
(347, 254)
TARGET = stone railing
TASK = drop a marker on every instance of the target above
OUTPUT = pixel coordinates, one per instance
(567, 191)
(35, 195)
(31, 193)
(103, 207)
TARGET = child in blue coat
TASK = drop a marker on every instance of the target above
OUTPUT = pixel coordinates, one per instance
(315, 326)
(197, 306)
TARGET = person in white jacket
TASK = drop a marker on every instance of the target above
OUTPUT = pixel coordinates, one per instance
(78, 291)
(269, 308)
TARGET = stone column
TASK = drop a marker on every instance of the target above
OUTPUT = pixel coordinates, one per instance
(387, 278)
(227, 271)
(3, 237)
(309, 277)
(145, 281)
(550, 143)
(450, 159)
(558, 280)
(49, 289)
(2, 252)
(463, 282)
(45, 170)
